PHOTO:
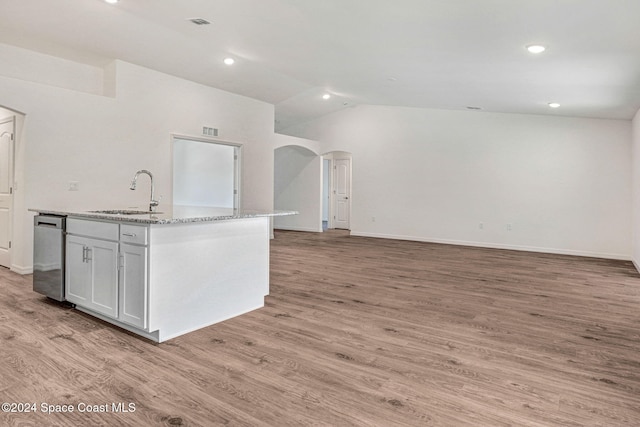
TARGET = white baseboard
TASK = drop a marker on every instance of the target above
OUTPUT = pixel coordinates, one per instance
(635, 264)
(496, 246)
(21, 270)
(308, 229)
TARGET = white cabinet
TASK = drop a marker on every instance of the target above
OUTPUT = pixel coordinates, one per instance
(78, 271)
(133, 285)
(167, 279)
(107, 268)
(92, 274)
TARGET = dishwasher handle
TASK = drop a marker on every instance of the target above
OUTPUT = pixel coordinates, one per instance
(48, 221)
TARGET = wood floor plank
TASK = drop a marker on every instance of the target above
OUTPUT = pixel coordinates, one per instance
(355, 332)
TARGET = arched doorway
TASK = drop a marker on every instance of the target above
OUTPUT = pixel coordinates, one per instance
(318, 187)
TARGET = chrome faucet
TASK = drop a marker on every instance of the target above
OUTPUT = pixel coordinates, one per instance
(153, 203)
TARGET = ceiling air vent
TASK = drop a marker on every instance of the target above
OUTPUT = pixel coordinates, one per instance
(200, 21)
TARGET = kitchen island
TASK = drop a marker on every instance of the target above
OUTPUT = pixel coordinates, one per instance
(163, 274)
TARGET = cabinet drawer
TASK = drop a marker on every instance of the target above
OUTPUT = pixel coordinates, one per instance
(97, 229)
(134, 234)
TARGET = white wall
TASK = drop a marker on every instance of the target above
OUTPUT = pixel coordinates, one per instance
(30, 66)
(564, 184)
(298, 186)
(635, 159)
(99, 141)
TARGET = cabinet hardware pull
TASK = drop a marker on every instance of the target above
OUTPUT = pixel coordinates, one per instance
(84, 254)
(88, 252)
(129, 234)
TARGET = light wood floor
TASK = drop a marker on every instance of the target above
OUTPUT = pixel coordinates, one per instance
(356, 331)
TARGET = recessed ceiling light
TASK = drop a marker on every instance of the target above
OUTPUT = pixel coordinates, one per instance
(229, 61)
(536, 48)
(112, 1)
(326, 96)
(554, 105)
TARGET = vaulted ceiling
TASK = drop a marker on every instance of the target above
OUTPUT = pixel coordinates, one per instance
(449, 54)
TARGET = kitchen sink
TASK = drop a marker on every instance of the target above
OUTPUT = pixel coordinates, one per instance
(125, 212)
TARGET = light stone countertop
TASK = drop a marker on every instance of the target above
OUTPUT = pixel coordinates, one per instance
(169, 214)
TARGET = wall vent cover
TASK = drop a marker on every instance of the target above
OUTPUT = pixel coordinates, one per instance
(199, 21)
(209, 131)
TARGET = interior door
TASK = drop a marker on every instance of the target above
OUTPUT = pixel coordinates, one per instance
(342, 192)
(6, 189)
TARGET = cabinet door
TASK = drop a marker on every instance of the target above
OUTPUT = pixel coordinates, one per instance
(92, 274)
(103, 257)
(133, 285)
(78, 272)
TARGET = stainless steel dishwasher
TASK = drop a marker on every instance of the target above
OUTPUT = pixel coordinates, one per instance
(48, 255)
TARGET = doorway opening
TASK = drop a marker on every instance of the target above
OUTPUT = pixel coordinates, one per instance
(296, 180)
(7, 137)
(336, 185)
(15, 246)
(326, 189)
(206, 172)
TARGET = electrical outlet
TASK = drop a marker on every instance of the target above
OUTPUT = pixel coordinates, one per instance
(509, 227)
(74, 186)
(373, 219)
(481, 226)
